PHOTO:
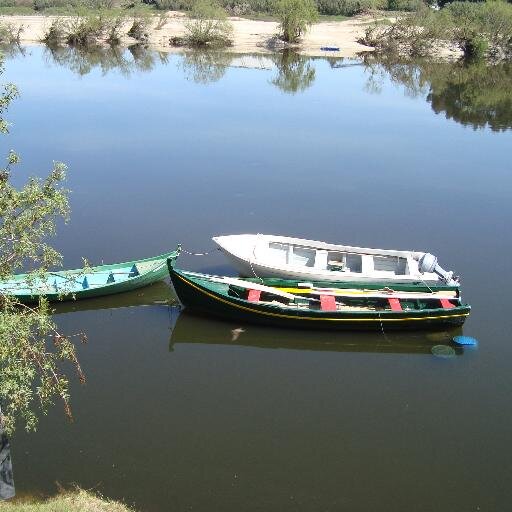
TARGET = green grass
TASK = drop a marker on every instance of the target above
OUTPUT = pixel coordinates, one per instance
(76, 501)
(73, 11)
(17, 10)
(333, 17)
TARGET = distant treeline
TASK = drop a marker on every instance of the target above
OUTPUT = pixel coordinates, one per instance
(233, 7)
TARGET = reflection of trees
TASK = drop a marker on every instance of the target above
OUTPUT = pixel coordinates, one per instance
(83, 60)
(476, 94)
(205, 66)
(295, 73)
(12, 50)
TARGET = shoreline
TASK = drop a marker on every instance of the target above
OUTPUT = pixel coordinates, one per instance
(249, 36)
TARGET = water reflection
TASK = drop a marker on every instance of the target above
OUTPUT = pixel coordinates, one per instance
(12, 50)
(6, 476)
(82, 61)
(295, 73)
(193, 328)
(205, 66)
(475, 94)
(159, 293)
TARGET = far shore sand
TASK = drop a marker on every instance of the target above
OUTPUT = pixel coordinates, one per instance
(249, 36)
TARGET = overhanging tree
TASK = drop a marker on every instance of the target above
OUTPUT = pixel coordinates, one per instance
(32, 351)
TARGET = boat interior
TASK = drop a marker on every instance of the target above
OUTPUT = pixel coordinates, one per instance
(330, 302)
(287, 254)
(68, 282)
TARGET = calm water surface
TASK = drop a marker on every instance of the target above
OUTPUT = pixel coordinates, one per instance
(184, 413)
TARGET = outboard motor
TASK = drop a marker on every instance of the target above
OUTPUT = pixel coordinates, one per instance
(428, 263)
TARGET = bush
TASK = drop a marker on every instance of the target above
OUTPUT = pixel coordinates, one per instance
(416, 35)
(344, 7)
(173, 5)
(295, 17)
(86, 30)
(209, 25)
(479, 27)
(41, 5)
(114, 26)
(405, 5)
(139, 28)
(10, 34)
(56, 33)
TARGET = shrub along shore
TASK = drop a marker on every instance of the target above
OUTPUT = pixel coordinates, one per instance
(164, 33)
(472, 30)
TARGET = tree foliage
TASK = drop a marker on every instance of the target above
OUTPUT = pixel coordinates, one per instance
(295, 17)
(31, 349)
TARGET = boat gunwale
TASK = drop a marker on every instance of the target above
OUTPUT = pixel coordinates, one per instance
(317, 244)
(99, 268)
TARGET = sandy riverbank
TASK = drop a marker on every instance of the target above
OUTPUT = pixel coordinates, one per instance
(251, 36)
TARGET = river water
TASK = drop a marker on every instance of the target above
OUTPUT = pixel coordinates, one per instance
(186, 413)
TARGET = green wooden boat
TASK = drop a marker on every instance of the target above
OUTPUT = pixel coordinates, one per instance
(84, 284)
(320, 305)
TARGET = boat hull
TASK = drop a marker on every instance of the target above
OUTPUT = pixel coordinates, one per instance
(195, 296)
(294, 258)
(246, 268)
(152, 270)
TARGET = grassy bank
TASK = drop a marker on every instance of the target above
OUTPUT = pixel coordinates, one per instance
(249, 8)
(76, 501)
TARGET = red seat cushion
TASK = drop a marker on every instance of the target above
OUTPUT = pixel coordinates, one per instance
(395, 304)
(446, 304)
(327, 303)
(254, 296)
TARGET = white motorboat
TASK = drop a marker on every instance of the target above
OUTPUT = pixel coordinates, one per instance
(295, 258)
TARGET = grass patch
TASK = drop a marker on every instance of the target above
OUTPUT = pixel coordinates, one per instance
(76, 501)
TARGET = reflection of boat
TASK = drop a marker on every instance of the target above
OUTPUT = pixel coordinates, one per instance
(295, 258)
(159, 293)
(193, 328)
(86, 283)
(285, 303)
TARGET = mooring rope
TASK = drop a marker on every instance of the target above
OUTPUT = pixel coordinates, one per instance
(197, 253)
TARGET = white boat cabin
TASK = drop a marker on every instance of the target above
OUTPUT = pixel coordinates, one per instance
(283, 254)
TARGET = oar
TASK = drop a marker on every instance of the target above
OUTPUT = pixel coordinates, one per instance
(255, 286)
(366, 294)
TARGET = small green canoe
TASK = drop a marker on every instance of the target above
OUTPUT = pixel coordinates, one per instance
(289, 303)
(95, 282)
